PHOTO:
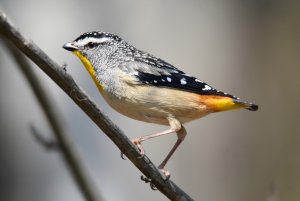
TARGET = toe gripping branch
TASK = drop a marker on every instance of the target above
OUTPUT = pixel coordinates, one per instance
(175, 127)
(148, 180)
(164, 173)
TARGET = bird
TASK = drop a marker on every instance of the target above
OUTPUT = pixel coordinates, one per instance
(144, 87)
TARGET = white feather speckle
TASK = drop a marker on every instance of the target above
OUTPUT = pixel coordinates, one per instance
(196, 80)
(206, 88)
(169, 79)
(183, 81)
(155, 81)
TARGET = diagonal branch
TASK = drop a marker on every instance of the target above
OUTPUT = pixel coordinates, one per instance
(67, 147)
(66, 83)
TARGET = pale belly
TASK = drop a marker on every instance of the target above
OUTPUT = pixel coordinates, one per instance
(154, 105)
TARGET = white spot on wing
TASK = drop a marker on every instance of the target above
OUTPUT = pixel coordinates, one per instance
(155, 81)
(196, 80)
(169, 79)
(206, 88)
(183, 81)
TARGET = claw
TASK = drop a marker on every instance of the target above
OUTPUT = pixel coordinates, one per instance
(148, 180)
(153, 187)
(122, 156)
(145, 179)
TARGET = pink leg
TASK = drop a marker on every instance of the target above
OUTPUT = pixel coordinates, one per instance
(181, 135)
(175, 127)
(138, 141)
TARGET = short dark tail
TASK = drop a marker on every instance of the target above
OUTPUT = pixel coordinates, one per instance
(247, 105)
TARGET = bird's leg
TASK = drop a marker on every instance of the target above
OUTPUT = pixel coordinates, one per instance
(139, 140)
(181, 135)
(175, 127)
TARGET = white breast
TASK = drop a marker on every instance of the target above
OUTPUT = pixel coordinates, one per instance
(154, 105)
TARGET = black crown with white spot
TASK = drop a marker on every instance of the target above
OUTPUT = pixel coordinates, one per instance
(98, 35)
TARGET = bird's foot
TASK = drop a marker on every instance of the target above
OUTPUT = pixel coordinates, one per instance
(148, 180)
(166, 173)
(137, 142)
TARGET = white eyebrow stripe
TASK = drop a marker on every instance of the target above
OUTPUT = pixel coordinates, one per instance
(87, 40)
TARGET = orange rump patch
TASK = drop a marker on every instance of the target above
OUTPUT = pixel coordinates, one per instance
(219, 103)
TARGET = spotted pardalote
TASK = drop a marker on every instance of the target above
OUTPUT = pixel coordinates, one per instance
(146, 88)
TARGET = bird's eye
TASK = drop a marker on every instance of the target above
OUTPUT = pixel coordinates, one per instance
(91, 45)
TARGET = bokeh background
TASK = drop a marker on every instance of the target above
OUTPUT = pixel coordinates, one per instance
(248, 48)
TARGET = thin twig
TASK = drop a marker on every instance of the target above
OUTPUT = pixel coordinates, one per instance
(66, 145)
(66, 83)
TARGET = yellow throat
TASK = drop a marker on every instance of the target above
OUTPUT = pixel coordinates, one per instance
(87, 64)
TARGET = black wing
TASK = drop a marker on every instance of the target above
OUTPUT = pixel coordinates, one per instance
(156, 72)
(181, 82)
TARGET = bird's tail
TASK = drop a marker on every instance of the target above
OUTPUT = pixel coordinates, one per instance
(222, 103)
(246, 105)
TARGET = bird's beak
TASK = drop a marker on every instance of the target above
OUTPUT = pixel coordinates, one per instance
(70, 47)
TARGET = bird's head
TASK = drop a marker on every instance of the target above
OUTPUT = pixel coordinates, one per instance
(94, 45)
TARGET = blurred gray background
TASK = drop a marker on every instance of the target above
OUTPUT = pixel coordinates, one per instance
(248, 48)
